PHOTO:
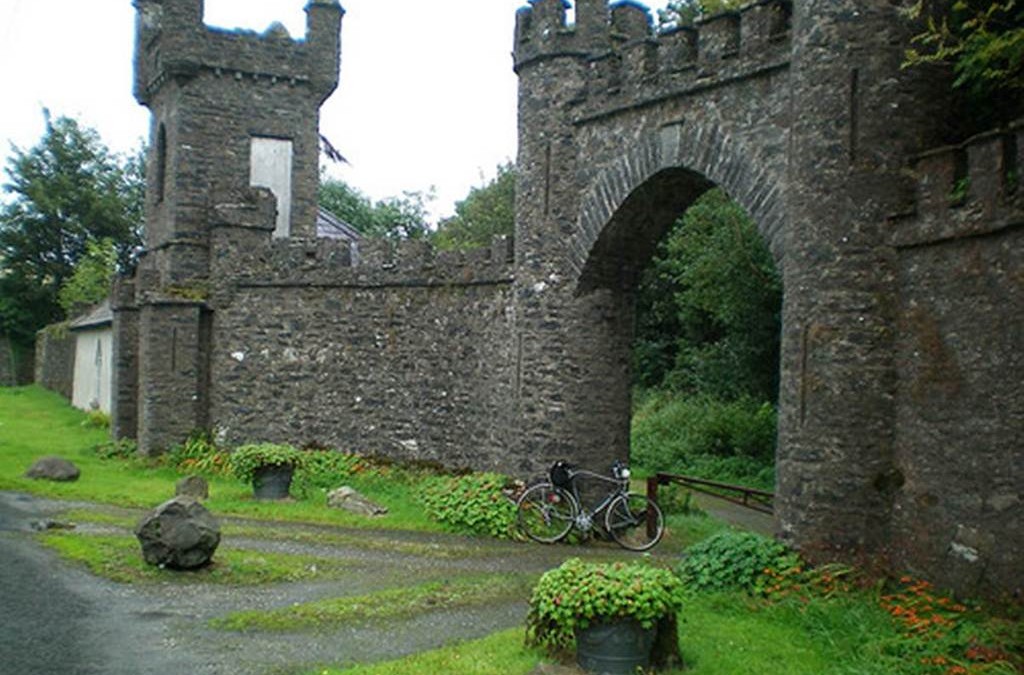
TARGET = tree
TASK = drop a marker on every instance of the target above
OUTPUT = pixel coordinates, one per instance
(707, 349)
(68, 191)
(486, 212)
(91, 280)
(347, 203)
(686, 12)
(984, 44)
(402, 217)
(709, 307)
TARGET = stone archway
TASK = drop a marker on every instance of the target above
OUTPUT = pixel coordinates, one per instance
(635, 199)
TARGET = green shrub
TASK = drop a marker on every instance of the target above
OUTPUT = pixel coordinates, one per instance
(708, 307)
(733, 561)
(245, 459)
(97, 419)
(327, 469)
(474, 503)
(674, 499)
(741, 470)
(199, 454)
(124, 448)
(714, 439)
(578, 594)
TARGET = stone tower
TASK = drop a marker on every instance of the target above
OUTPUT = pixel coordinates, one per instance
(231, 111)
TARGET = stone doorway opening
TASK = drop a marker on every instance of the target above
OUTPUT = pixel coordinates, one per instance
(704, 294)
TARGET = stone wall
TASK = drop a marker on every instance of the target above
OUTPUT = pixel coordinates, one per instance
(201, 84)
(802, 113)
(216, 98)
(8, 365)
(55, 359)
(960, 400)
(382, 349)
(124, 386)
(17, 365)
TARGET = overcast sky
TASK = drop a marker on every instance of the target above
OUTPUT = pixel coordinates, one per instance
(427, 94)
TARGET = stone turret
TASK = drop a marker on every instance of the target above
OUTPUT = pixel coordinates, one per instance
(207, 136)
(323, 39)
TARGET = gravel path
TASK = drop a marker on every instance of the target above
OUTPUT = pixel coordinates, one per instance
(58, 618)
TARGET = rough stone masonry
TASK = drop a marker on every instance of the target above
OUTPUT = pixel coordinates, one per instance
(902, 398)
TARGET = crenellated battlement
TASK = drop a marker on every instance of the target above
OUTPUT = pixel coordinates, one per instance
(369, 263)
(243, 253)
(173, 43)
(968, 189)
(625, 53)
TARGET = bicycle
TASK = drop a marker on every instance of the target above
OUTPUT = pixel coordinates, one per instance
(548, 511)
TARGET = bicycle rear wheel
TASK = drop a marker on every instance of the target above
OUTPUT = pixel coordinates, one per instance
(546, 513)
(634, 521)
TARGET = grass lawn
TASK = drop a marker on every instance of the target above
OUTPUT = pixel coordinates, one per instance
(723, 634)
(501, 653)
(35, 423)
(389, 604)
(117, 557)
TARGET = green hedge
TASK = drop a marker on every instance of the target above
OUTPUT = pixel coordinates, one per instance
(706, 437)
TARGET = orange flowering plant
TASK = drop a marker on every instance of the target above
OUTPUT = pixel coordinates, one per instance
(948, 637)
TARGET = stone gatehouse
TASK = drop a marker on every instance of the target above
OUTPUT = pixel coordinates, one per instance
(902, 396)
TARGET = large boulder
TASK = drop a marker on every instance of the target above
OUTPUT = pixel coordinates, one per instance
(53, 468)
(180, 534)
(348, 499)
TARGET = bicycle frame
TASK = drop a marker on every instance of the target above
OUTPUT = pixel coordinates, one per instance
(585, 519)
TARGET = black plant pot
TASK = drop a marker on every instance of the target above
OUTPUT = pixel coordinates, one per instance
(615, 648)
(272, 481)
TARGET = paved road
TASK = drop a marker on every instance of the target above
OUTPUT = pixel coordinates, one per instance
(734, 514)
(45, 622)
(57, 619)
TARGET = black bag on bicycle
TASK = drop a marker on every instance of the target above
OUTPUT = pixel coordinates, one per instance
(561, 474)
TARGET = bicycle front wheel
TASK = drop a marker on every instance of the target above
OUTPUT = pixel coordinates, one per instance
(634, 521)
(546, 513)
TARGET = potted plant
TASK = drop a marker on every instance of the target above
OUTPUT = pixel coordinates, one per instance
(617, 617)
(268, 466)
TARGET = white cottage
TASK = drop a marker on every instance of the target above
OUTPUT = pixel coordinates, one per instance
(93, 333)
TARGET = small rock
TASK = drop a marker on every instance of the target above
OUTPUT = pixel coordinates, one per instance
(50, 524)
(180, 534)
(192, 486)
(347, 498)
(53, 468)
